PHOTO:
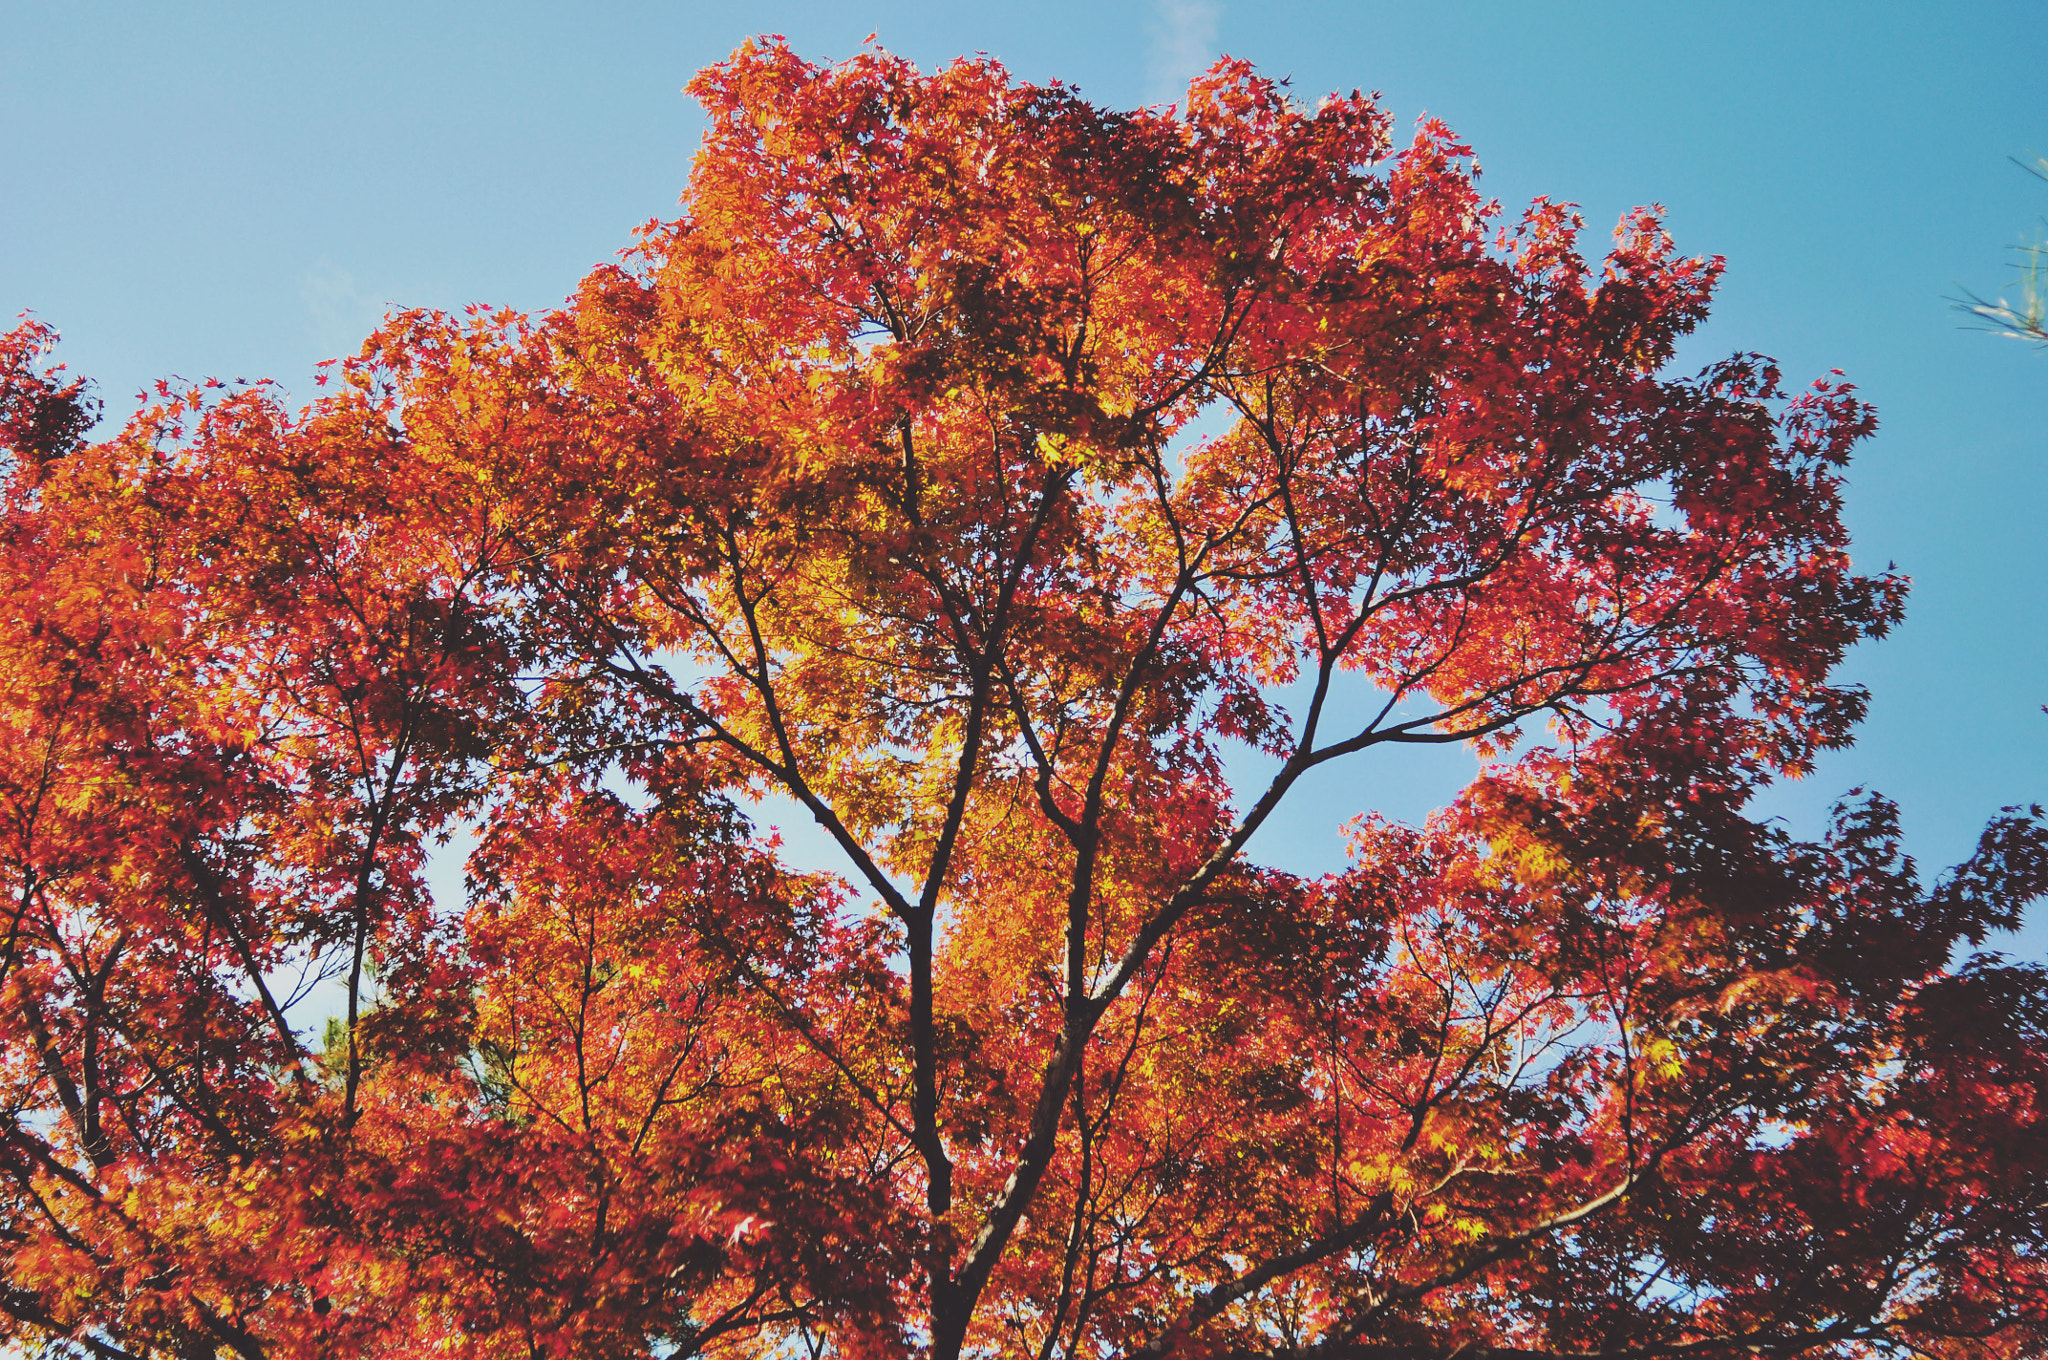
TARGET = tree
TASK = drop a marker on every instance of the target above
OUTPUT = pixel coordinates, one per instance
(878, 480)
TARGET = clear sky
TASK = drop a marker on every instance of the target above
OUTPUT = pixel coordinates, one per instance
(240, 190)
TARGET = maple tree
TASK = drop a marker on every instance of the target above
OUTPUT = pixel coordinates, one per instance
(994, 476)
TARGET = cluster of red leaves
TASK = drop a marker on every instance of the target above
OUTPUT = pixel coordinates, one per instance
(41, 416)
(874, 482)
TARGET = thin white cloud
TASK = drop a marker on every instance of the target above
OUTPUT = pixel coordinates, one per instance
(338, 313)
(1183, 45)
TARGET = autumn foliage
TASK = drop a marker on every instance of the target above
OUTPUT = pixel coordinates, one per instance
(1034, 494)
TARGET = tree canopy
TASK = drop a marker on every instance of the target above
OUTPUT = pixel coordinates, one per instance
(994, 475)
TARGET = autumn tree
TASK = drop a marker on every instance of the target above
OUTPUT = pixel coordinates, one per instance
(999, 478)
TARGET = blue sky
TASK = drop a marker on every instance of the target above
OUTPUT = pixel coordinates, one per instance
(240, 190)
